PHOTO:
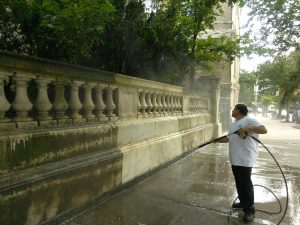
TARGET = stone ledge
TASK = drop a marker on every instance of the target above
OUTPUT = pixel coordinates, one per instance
(18, 180)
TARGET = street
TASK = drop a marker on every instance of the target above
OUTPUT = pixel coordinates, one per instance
(199, 189)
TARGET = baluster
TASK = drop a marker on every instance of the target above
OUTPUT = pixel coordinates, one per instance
(42, 103)
(110, 105)
(74, 101)
(159, 104)
(148, 102)
(88, 104)
(143, 102)
(139, 106)
(172, 109)
(176, 103)
(168, 107)
(181, 103)
(154, 103)
(21, 103)
(99, 103)
(59, 104)
(4, 104)
(164, 105)
(170, 103)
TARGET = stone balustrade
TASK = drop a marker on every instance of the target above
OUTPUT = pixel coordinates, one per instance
(73, 101)
(70, 134)
(155, 104)
(198, 104)
(33, 95)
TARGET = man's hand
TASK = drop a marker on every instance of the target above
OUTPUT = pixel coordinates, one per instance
(243, 132)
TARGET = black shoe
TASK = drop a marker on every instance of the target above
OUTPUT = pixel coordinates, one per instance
(248, 217)
(237, 205)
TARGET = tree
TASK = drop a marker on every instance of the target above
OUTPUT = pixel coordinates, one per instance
(57, 29)
(280, 30)
(283, 74)
(191, 19)
(118, 35)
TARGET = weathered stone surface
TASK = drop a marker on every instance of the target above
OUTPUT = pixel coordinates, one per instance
(91, 141)
(35, 195)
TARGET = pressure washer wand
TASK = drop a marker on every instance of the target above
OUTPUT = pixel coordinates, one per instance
(217, 139)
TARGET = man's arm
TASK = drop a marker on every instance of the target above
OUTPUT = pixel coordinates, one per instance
(261, 129)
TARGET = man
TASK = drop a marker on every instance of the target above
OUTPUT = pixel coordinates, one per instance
(243, 152)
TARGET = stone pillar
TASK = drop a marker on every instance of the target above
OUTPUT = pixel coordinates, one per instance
(88, 105)
(164, 104)
(178, 103)
(184, 103)
(139, 106)
(110, 105)
(158, 102)
(143, 102)
(59, 104)
(4, 104)
(212, 85)
(148, 102)
(21, 103)
(168, 106)
(154, 103)
(74, 101)
(42, 103)
(175, 103)
(99, 103)
(171, 104)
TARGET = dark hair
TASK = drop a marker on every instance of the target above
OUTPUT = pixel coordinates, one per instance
(242, 109)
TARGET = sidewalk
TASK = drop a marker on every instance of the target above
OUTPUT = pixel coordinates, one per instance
(199, 189)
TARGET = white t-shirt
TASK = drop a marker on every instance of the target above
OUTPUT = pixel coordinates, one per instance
(243, 152)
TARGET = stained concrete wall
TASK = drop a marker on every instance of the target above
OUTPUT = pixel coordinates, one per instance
(52, 164)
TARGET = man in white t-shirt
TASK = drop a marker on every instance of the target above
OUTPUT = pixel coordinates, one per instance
(243, 152)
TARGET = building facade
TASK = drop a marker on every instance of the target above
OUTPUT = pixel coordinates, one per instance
(228, 24)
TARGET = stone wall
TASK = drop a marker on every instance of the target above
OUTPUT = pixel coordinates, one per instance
(70, 134)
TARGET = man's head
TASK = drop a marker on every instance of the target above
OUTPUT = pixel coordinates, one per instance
(239, 111)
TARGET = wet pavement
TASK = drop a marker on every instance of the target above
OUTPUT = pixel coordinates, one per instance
(199, 189)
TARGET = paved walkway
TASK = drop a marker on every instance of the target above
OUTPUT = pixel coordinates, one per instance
(199, 189)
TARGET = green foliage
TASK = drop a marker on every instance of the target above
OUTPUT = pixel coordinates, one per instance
(216, 49)
(279, 35)
(55, 29)
(118, 35)
(69, 27)
(281, 27)
(267, 100)
(282, 74)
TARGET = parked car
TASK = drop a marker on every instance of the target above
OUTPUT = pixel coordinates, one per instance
(296, 116)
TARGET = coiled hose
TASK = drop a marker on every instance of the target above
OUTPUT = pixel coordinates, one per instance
(281, 171)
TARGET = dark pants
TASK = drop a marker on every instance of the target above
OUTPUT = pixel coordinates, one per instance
(244, 187)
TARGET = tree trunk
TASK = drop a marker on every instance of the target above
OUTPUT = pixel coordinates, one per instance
(281, 104)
